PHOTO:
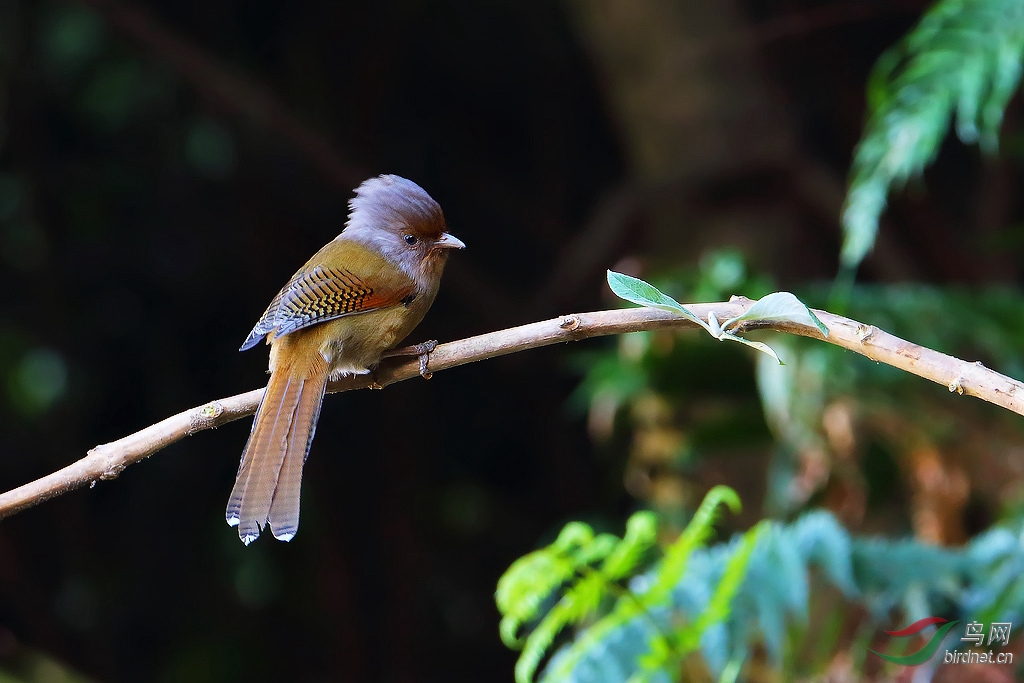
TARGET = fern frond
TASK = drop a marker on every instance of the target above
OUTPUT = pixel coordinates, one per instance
(644, 607)
(641, 533)
(964, 57)
(569, 561)
(718, 608)
(696, 534)
(577, 604)
(687, 639)
(985, 579)
(532, 578)
(611, 646)
(541, 638)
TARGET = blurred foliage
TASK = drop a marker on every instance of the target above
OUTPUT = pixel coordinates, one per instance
(964, 56)
(652, 381)
(833, 413)
(785, 568)
(210, 149)
(587, 570)
(25, 665)
(834, 416)
(808, 404)
(70, 36)
(875, 445)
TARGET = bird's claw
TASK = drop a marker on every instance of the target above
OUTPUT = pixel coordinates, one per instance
(423, 351)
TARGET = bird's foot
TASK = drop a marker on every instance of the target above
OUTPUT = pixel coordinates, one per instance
(422, 350)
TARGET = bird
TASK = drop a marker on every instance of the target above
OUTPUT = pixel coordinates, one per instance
(345, 309)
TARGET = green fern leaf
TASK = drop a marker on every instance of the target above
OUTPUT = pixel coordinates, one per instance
(696, 534)
(641, 533)
(532, 578)
(718, 608)
(964, 57)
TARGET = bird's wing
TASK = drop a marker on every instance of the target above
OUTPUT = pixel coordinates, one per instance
(320, 293)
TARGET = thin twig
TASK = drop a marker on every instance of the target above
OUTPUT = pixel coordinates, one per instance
(108, 460)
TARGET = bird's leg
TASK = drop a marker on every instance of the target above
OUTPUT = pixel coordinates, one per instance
(422, 350)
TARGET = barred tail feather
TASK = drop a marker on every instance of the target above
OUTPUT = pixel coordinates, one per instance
(266, 489)
(284, 508)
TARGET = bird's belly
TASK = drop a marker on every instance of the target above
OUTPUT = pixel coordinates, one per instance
(353, 345)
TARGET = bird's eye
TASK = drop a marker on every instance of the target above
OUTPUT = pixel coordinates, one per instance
(410, 239)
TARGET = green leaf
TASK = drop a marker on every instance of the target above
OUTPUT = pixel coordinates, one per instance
(596, 550)
(639, 292)
(718, 608)
(760, 346)
(538, 642)
(779, 307)
(963, 59)
(741, 598)
(718, 333)
(532, 578)
(696, 534)
(532, 581)
(641, 533)
(573, 535)
(523, 588)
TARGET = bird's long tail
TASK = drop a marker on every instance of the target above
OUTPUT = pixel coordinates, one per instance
(266, 490)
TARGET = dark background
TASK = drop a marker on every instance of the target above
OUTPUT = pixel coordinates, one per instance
(166, 166)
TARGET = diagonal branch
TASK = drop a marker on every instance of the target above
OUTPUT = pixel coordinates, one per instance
(108, 460)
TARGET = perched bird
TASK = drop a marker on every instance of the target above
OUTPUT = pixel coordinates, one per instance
(339, 314)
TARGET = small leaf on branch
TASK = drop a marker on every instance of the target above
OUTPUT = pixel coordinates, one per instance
(776, 307)
(760, 346)
(639, 292)
(779, 307)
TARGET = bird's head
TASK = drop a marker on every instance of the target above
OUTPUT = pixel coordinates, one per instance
(399, 220)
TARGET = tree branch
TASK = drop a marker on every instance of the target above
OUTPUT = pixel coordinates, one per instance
(108, 460)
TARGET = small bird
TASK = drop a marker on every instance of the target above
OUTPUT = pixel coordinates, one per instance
(340, 314)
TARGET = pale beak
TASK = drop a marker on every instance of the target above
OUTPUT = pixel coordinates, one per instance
(446, 241)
